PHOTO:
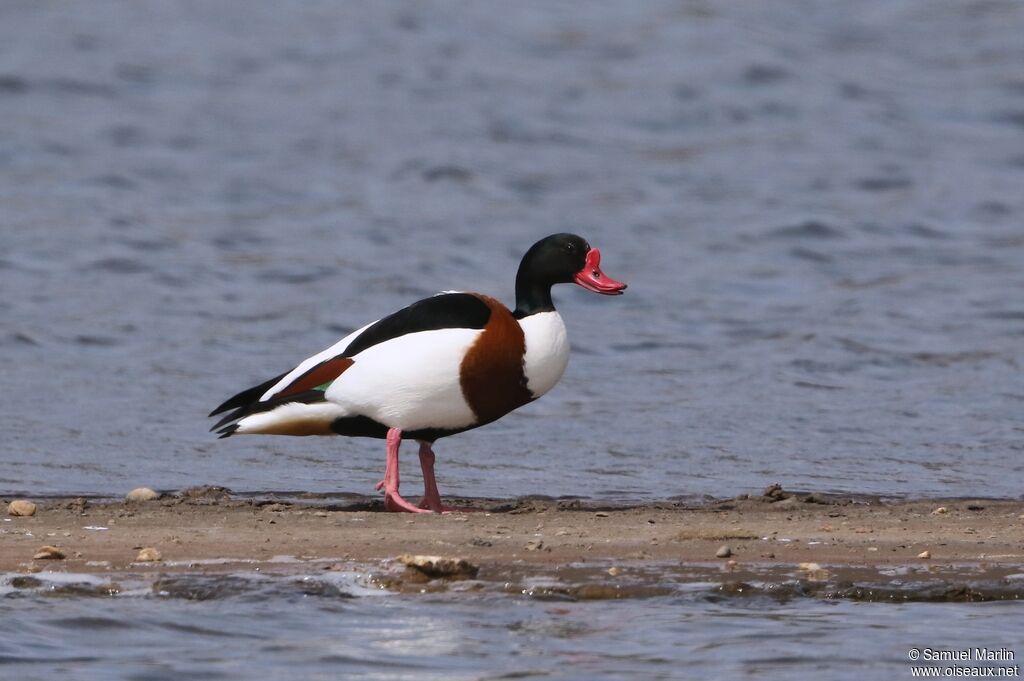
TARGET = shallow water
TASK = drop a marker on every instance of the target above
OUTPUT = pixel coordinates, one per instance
(818, 208)
(317, 626)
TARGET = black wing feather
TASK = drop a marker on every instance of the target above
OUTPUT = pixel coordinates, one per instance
(307, 397)
(247, 397)
(444, 311)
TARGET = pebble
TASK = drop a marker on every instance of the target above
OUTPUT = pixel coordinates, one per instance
(440, 566)
(723, 552)
(142, 494)
(148, 555)
(940, 510)
(925, 555)
(21, 507)
(600, 514)
(814, 572)
(614, 571)
(49, 553)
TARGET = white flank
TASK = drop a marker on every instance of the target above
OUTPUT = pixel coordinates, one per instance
(409, 382)
(307, 364)
(291, 416)
(547, 351)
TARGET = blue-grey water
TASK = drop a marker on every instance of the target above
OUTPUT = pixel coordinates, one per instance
(335, 625)
(818, 206)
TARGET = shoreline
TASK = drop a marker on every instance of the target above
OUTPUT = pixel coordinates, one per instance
(208, 529)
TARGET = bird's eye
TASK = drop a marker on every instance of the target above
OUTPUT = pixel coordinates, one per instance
(570, 247)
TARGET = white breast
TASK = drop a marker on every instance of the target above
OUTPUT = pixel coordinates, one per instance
(547, 350)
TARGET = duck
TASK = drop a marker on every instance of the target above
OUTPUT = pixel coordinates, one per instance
(438, 367)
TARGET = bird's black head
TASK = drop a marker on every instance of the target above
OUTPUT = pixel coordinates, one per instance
(559, 259)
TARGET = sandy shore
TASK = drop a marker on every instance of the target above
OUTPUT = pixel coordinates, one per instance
(207, 529)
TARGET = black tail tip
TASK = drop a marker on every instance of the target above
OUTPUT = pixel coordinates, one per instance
(227, 431)
(233, 416)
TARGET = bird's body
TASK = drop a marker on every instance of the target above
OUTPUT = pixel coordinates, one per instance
(405, 379)
(440, 366)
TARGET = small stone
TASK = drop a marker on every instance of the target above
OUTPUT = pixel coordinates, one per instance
(723, 552)
(940, 510)
(320, 514)
(534, 545)
(148, 555)
(814, 572)
(924, 555)
(600, 514)
(21, 507)
(731, 564)
(774, 492)
(49, 553)
(614, 571)
(142, 494)
(439, 566)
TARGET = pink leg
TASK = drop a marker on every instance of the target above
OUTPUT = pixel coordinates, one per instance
(431, 497)
(393, 501)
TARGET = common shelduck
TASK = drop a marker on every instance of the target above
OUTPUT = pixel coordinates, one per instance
(441, 366)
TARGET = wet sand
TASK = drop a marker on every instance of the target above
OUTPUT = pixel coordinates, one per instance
(207, 529)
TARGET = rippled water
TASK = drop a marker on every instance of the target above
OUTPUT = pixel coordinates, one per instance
(818, 208)
(313, 627)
